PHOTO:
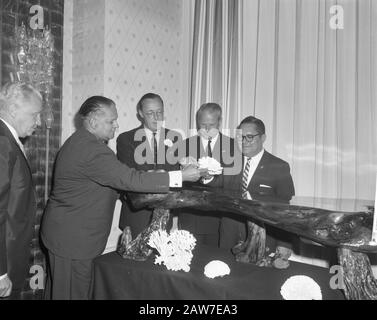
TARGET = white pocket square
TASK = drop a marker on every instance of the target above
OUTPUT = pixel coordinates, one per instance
(265, 186)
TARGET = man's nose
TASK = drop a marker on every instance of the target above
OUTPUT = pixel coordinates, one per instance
(155, 116)
(116, 125)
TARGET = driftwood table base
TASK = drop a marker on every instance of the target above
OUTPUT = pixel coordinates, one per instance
(356, 275)
(138, 249)
(253, 249)
(349, 232)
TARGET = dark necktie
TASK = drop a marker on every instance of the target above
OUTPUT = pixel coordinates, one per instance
(209, 151)
(245, 175)
(154, 149)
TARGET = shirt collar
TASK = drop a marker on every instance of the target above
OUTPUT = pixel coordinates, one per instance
(213, 140)
(257, 157)
(149, 133)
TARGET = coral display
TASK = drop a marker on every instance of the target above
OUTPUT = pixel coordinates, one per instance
(301, 288)
(175, 249)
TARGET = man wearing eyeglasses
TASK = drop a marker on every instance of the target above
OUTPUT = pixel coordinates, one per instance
(148, 147)
(264, 177)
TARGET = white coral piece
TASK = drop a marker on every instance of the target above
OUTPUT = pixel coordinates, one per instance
(175, 249)
(214, 167)
(216, 268)
(301, 288)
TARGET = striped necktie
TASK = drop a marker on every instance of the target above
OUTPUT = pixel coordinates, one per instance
(245, 175)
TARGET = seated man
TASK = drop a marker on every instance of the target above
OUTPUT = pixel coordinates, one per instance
(146, 148)
(264, 177)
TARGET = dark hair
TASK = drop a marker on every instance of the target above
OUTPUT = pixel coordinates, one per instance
(210, 107)
(150, 95)
(93, 105)
(259, 125)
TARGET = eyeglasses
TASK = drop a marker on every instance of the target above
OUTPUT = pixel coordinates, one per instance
(248, 137)
(152, 114)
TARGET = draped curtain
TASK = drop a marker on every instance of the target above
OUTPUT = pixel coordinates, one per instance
(314, 86)
(216, 62)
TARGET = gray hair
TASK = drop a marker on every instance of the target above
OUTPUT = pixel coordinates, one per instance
(210, 107)
(12, 92)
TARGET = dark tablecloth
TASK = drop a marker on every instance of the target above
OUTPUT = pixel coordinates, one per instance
(117, 278)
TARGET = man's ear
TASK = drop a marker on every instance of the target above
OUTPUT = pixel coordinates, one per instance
(263, 137)
(140, 115)
(93, 122)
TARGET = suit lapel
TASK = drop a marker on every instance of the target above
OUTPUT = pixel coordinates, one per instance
(200, 149)
(144, 139)
(23, 154)
(217, 149)
(161, 145)
(8, 134)
(254, 181)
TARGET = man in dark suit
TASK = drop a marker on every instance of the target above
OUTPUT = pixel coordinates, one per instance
(148, 147)
(264, 177)
(209, 142)
(79, 213)
(20, 107)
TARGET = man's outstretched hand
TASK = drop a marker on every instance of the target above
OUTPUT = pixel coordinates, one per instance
(191, 173)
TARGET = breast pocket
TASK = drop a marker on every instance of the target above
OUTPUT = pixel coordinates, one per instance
(266, 190)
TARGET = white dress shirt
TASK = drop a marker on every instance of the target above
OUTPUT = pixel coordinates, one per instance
(253, 164)
(205, 142)
(175, 177)
(205, 146)
(149, 135)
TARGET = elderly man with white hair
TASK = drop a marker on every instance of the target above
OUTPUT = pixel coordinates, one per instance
(20, 108)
